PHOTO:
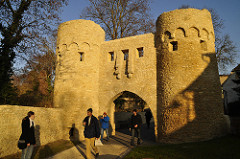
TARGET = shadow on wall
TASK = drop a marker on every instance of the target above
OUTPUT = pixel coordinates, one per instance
(38, 141)
(75, 139)
(194, 114)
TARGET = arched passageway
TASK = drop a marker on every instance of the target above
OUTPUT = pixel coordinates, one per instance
(125, 103)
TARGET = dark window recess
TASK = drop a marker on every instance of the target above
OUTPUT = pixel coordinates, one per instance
(203, 45)
(167, 35)
(174, 45)
(125, 52)
(81, 56)
(140, 51)
(111, 56)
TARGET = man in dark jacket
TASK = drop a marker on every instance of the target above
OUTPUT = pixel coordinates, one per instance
(91, 132)
(148, 116)
(28, 135)
(135, 125)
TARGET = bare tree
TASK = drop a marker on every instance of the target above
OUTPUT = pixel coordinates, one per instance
(226, 50)
(22, 24)
(120, 18)
(218, 23)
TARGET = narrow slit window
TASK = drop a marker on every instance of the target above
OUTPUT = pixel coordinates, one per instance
(81, 56)
(111, 56)
(203, 45)
(174, 46)
(140, 51)
(125, 52)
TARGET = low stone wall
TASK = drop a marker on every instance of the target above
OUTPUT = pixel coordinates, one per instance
(48, 126)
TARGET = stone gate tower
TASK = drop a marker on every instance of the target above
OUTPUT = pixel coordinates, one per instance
(189, 95)
(174, 71)
(77, 73)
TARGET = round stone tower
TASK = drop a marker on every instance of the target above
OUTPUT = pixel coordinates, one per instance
(188, 89)
(77, 70)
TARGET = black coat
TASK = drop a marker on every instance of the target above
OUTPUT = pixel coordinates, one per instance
(148, 115)
(136, 120)
(27, 132)
(92, 130)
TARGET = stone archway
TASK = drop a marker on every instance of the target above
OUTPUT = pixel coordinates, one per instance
(121, 113)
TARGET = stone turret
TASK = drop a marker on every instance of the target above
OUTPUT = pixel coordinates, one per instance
(77, 73)
(189, 95)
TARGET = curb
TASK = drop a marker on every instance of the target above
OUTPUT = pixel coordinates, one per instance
(122, 155)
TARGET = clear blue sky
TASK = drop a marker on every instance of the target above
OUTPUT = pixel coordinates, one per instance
(228, 10)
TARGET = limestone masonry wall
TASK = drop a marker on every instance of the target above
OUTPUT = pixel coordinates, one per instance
(77, 74)
(137, 74)
(189, 91)
(48, 126)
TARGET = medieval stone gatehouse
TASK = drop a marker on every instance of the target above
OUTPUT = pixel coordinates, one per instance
(174, 71)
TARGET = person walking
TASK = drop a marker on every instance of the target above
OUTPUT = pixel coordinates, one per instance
(91, 133)
(135, 125)
(148, 116)
(28, 135)
(104, 125)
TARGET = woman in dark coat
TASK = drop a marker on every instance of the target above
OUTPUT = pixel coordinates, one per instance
(28, 135)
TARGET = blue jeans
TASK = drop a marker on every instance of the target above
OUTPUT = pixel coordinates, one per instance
(102, 132)
(27, 152)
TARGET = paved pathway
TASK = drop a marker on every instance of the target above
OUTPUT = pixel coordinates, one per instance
(115, 148)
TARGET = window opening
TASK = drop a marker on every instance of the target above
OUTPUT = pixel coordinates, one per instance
(203, 45)
(125, 52)
(140, 51)
(111, 56)
(126, 55)
(174, 45)
(81, 56)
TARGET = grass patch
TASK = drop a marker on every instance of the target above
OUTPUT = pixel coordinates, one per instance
(45, 151)
(222, 148)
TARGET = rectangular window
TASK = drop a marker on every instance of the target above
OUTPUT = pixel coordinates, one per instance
(125, 52)
(174, 46)
(81, 56)
(140, 51)
(126, 56)
(111, 54)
